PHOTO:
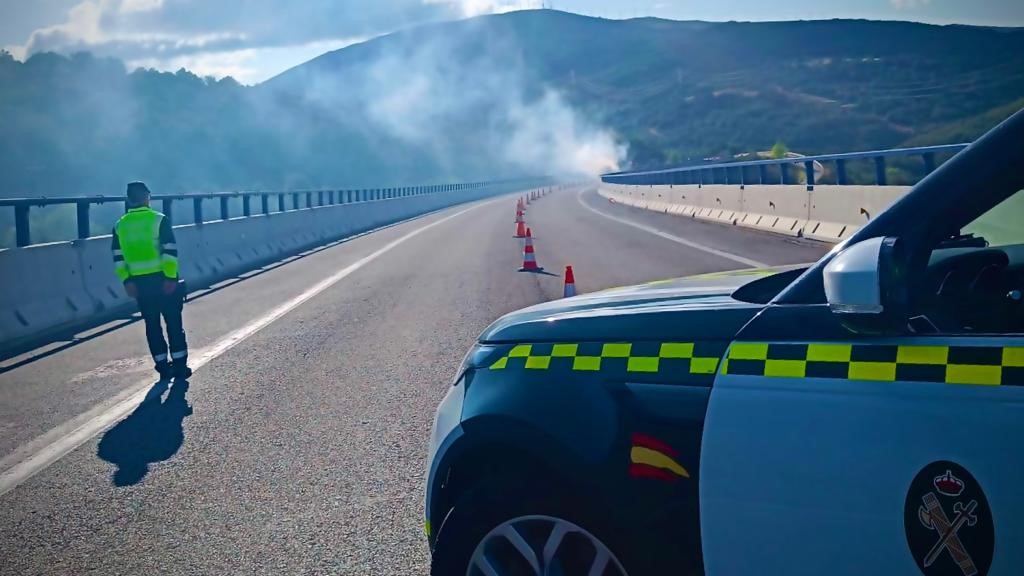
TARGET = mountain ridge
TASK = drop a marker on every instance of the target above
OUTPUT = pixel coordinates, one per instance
(504, 95)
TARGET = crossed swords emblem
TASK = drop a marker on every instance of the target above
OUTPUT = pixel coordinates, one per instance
(934, 518)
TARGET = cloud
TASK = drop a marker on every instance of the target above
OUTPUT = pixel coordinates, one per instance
(164, 33)
(247, 65)
(909, 4)
(470, 8)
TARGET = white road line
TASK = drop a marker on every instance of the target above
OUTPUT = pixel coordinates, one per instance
(672, 237)
(64, 444)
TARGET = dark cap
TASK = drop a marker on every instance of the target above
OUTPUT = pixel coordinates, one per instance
(137, 190)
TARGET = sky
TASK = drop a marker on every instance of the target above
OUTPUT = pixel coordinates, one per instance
(253, 40)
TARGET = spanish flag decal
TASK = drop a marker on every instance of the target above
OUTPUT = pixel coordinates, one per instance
(652, 458)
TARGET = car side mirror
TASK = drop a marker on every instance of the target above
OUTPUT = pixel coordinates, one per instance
(866, 287)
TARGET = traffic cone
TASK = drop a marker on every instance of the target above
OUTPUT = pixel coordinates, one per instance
(570, 283)
(520, 225)
(529, 257)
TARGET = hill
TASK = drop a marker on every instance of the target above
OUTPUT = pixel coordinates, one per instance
(524, 92)
(674, 90)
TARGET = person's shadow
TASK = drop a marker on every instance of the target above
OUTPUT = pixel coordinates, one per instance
(152, 433)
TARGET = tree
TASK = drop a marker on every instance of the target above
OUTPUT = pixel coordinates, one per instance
(780, 150)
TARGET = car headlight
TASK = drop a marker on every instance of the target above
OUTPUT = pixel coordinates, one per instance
(476, 357)
(448, 416)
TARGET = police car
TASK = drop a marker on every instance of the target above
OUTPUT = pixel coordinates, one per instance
(863, 415)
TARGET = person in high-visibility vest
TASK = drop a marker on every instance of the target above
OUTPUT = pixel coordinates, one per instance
(146, 261)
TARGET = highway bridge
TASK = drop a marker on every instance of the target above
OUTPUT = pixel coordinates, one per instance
(299, 445)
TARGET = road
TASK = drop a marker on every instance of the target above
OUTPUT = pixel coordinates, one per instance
(299, 446)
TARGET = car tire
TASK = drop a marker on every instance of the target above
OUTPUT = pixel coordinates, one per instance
(534, 511)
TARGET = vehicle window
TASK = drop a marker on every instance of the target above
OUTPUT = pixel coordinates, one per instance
(975, 282)
(1003, 225)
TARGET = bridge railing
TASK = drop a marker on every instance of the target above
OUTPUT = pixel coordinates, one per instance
(757, 171)
(252, 203)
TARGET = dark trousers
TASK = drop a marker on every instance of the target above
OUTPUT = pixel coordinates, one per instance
(154, 303)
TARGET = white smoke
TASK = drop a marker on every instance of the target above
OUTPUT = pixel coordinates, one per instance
(454, 87)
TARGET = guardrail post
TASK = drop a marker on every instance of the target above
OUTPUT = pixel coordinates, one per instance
(330, 197)
(295, 200)
(280, 202)
(841, 172)
(762, 173)
(320, 198)
(197, 210)
(784, 173)
(21, 230)
(743, 178)
(168, 208)
(929, 162)
(223, 207)
(246, 206)
(265, 203)
(880, 178)
(309, 199)
(82, 209)
(809, 169)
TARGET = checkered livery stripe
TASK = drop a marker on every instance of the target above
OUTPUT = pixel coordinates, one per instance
(977, 365)
(683, 361)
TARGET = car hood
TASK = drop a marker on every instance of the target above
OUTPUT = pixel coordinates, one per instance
(681, 309)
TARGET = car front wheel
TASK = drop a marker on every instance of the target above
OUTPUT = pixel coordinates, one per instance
(515, 533)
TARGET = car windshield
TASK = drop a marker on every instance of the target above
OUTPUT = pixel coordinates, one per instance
(1001, 226)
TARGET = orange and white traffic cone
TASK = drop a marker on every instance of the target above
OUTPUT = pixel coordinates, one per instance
(570, 283)
(520, 225)
(529, 257)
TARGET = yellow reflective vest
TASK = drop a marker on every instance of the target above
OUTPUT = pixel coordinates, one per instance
(144, 244)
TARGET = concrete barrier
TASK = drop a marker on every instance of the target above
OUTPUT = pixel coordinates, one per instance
(193, 263)
(232, 246)
(42, 289)
(64, 285)
(828, 213)
(104, 289)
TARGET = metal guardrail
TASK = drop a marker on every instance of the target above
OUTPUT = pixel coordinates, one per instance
(265, 202)
(740, 173)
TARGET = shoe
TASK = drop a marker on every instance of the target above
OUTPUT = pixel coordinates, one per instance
(182, 372)
(165, 370)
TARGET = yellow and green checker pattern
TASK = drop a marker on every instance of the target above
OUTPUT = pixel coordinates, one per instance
(685, 362)
(979, 365)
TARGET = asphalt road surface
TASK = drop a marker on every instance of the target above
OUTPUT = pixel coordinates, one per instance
(299, 445)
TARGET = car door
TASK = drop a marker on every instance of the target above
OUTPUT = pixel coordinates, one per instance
(870, 456)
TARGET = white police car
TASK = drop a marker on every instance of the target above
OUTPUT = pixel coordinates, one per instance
(864, 415)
